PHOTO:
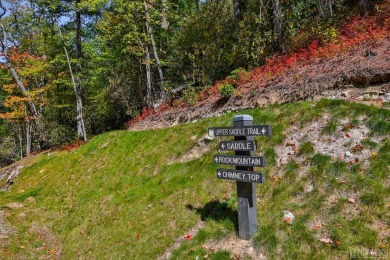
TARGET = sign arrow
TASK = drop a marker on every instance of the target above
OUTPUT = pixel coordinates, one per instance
(238, 145)
(238, 160)
(219, 174)
(256, 130)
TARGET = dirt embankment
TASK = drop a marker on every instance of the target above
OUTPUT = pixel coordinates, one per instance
(365, 66)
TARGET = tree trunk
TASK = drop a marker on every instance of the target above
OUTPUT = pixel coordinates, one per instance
(150, 33)
(148, 78)
(164, 20)
(239, 7)
(197, 5)
(278, 24)
(364, 7)
(330, 7)
(20, 142)
(78, 92)
(260, 10)
(28, 137)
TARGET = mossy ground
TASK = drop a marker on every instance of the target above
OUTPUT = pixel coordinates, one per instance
(125, 195)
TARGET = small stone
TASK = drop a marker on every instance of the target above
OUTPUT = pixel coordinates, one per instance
(348, 154)
(386, 97)
(30, 200)
(346, 94)
(263, 101)
(309, 188)
(14, 205)
(288, 217)
(209, 138)
(22, 215)
(201, 143)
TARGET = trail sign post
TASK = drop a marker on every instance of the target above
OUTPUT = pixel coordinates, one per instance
(244, 160)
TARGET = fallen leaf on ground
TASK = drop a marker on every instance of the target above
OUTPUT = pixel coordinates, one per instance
(316, 226)
(326, 240)
(290, 144)
(276, 178)
(351, 200)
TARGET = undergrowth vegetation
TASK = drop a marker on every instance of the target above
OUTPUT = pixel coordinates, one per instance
(127, 195)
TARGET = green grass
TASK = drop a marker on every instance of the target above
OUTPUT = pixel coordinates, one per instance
(306, 149)
(125, 195)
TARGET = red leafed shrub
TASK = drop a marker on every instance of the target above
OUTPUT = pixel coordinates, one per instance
(145, 113)
(71, 146)
(148, 112)
(351, 33)
(163, 107)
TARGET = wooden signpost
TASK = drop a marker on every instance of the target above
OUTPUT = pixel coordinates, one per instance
(244, 161)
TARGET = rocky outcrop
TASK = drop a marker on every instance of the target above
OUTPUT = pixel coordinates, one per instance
(8, 177)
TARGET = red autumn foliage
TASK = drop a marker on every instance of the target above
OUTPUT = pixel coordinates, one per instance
(148, 112)
(187, 236)
(71, 146)
(354, 31)
(351, 33)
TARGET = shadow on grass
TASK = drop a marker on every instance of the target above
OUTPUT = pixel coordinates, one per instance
(217, 211)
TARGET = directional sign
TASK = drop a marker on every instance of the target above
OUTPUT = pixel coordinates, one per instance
(237, 145)
(240, 160)
(245, 176)
(259, 130)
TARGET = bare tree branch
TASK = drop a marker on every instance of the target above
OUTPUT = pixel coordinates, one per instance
(4, 10)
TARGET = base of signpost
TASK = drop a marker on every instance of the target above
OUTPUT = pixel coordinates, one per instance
(246, 191)
(247, 212)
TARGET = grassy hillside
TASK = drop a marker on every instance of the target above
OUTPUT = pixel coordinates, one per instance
(127, 195)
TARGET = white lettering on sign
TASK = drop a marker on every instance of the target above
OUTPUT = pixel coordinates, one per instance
(237, 131)
(240, 175)
(239, 146)
(240, 160)
(221, 131)
(241, 131)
